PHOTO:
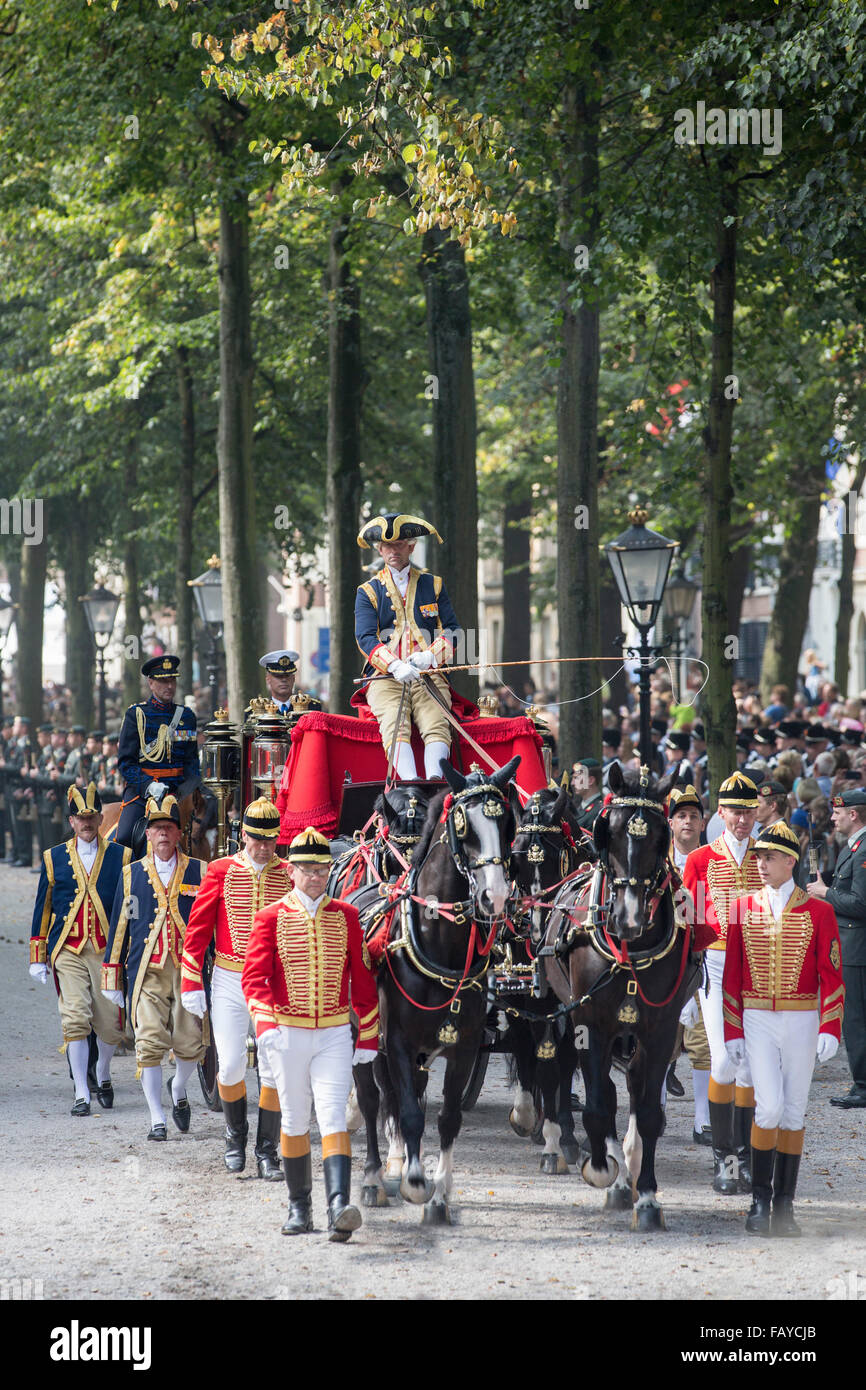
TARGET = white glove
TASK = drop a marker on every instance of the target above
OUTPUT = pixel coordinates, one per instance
(736, 1050)
(827, 1048)
(114, 996)
(690, 1014)
(423, 661)
(40, 973)
(195, 1002)
(273, 1040)
(403, 672)
(363, 1054)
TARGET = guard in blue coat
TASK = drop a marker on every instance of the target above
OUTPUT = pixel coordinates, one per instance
(142, 960)
(157, 744)
(405, 624)
(77, 884)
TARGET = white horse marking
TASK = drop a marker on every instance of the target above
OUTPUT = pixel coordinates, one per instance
(633, 1147)
(523, 1111)
(552, 1134)
(443, 1178)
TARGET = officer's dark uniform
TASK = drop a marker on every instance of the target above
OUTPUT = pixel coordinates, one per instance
(847, 897)
(174, 762)
(21, 801)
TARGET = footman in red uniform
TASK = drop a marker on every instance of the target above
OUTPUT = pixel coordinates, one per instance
(783, 1004)
(303, 954)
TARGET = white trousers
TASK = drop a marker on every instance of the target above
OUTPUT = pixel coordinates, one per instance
(230, 1019)
(780, 1047)
(317, 1067)
(722, 1069)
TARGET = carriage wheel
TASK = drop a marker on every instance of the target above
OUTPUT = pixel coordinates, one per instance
(476, 1079)
(207, 1075)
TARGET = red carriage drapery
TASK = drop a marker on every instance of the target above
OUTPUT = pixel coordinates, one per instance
(327, 746)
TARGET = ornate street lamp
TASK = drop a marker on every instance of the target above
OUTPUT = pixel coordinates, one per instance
(208, 593)
(640, 560)
(677, 605)
(100, 610)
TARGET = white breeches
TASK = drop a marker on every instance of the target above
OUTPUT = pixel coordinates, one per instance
(780, 1048)
(722, 1069)
(317, 1067)
(230, 1019)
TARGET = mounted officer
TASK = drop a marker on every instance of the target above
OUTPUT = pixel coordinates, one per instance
(405, 624)
(157, 744)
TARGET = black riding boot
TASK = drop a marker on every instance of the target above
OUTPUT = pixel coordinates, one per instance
(726, 1164)
(342, 1219)
(267, 1138)
(784, 1187)
(237, 1130)
(758, 1219)
(299, 1180)
(743, 1118)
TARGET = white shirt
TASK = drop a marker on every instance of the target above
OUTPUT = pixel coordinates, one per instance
(87, 852)
(778, 897)
(165, 868)
(248, 860)
(680, 858)
(311, 904)
(737, 847)
(401, 579)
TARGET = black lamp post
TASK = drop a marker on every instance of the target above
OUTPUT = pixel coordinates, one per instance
(678, 602)
(100, 610)
(7, 618)
(640, 560)
(208, 592)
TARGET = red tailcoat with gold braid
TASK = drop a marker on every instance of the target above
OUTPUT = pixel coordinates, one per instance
(795, 963)
(231, 894)
(715, 879)
(298, 969)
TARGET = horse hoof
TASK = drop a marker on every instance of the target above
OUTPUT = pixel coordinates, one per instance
(519, 1129)
(600, 1177)
(374, 1196)
(416, 1192)
(553, 1163)
(436, 1214)
(648, 1218)
(618, 1199)
(569, 1150)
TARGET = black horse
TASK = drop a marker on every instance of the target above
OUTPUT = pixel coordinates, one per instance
(549, 845)
(432, 982)
(400, 814)
(630, 963)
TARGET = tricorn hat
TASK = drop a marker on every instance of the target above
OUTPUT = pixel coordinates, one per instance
(680, 799)
(161, 804)
(395, 526)
(84, 803)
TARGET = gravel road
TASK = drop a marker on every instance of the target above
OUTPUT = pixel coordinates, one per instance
(93, 1211)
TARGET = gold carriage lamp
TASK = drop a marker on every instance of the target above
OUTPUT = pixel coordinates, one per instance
(221, 767)
(269, 750)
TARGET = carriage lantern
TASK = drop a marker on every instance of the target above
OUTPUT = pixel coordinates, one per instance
(221, 767)
(270, 750)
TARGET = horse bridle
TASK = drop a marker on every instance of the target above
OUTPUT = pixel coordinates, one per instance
(637, 828)
(456, 827)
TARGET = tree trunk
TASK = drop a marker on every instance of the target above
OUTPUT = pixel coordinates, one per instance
(34, 565)
(185, 485)
(796, 566)
(720, 716)
(80, 647)
(240, 585)
(345, 389)
(131, 588)
(842, 658)
(455, 487)
(516, 611)
(577, 575)
(739, 564)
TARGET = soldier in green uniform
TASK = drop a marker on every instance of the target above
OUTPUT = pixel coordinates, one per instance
(847, 897)
(20, 794)
(76, 751)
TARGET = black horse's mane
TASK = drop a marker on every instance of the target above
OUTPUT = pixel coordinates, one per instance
(434, 811)
(653, 790)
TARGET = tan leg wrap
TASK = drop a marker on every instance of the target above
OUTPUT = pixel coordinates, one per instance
(294, 1145)
(721, 1095)
(791, 1141)
(336, 1144)
(763, 1138)
(745, 1096)
(232, 1092)
(268, 1099)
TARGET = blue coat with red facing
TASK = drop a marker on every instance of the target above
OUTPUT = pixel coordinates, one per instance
(424, 621)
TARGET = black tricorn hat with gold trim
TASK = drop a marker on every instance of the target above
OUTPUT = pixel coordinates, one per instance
(395, 526)
(681, 798)
(781, 837)
(738, 790)
(162, 806)
(310, 847)
(84, 803)
(262, 819)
